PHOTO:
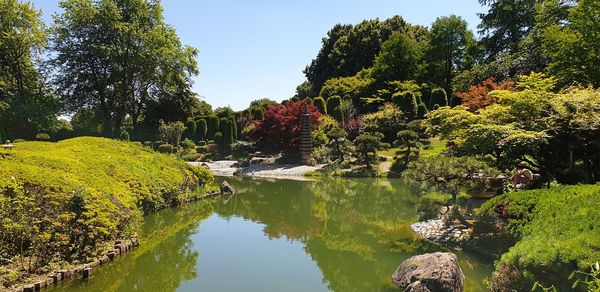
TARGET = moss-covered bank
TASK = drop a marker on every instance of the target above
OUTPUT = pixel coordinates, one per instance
(61, 203)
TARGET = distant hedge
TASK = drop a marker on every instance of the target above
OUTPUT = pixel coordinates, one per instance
(557, 232)
(61, 202)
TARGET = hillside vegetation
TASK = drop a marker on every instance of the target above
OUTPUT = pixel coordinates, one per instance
(60, 202)
(557, 231)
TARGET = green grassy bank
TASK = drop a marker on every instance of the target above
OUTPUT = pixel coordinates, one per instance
(557, 231)
(62, 203)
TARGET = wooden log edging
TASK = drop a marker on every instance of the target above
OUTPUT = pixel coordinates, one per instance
(121, 247)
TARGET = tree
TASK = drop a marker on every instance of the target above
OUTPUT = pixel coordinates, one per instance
(347, 49)
(449, 175)
(422, 110)
(449, 50)
(26, 106)
(321, 105)
(201, 130)
(119, 57)
(477, 97)
(505, 24)
(574, 48)
(219, 141)
(339, 143)
(388, 120)
(400, 59)
(366, 146)
(408, 142)
(280, 128)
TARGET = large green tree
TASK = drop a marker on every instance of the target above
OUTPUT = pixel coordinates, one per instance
(574, 50)
(449, 49)
(119, 56)
(26, 106)
(400, 59)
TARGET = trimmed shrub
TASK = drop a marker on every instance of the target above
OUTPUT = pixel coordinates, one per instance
(19, 140)
(212, 127)
(124, 135)
(319, 102)
(148, 144)
(219, 142)
(42, 137)
(258, 113)
(234, 128)
(190, 130)
(334, 103)
(439, 98)
(407, 102)
(201, 130)
(165, 148)
(422, 111)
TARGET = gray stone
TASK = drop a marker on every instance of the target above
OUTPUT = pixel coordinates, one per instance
(226, 188)
(431, 272)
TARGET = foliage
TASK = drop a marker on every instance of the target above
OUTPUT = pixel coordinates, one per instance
(280, 129)
(42, 137)
(572, 49)
(171, 132)
(190, 129)
(334, 104)
(557, 232)
(449, 50)
(340, 146)
(366, 146)
(124, 136)
(27, 106)
(60, 202)
(422, 111)
(388, 120)
(257, 113)
(347, 49)
(166, 148)
(408, 143)
(439, 98)
(407, 103)
(399, 59)
(219, 141)
(477, 97)
(449, 175)
(213, 126)
(122, 58)
(201, 130)
(321, 105)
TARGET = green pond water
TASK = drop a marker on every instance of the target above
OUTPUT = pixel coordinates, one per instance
(328, 235)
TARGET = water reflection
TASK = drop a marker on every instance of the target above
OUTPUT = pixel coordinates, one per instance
(334, 234)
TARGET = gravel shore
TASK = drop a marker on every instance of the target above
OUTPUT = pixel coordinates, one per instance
(226, 168)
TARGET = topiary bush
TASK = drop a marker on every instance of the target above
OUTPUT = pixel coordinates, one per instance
(190, 130)
(407, 102)
(422, 111)
(201, 130)
(319, 102)
(219, 142)
(334, 105)
(19, 140)
(42, 137)
(124, 135)
(166, 148)
(258, 113)
(439, 98)
(212, 127)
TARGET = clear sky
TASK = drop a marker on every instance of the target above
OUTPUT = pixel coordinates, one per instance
(251, 49)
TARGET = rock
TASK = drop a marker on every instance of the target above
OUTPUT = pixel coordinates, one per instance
(437, 272)
(226, 188)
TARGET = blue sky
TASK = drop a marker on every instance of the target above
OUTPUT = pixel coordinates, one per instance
(255, 49)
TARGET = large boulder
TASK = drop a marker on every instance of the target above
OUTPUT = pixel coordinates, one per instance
(432, 272)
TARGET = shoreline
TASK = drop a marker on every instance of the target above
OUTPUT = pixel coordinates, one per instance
(226, 168)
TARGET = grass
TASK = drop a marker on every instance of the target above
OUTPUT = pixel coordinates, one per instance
(61, 202)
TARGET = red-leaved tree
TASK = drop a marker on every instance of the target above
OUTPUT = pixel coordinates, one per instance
(280, 128)
(477, 97)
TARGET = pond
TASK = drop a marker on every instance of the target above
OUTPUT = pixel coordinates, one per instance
(327, 235)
